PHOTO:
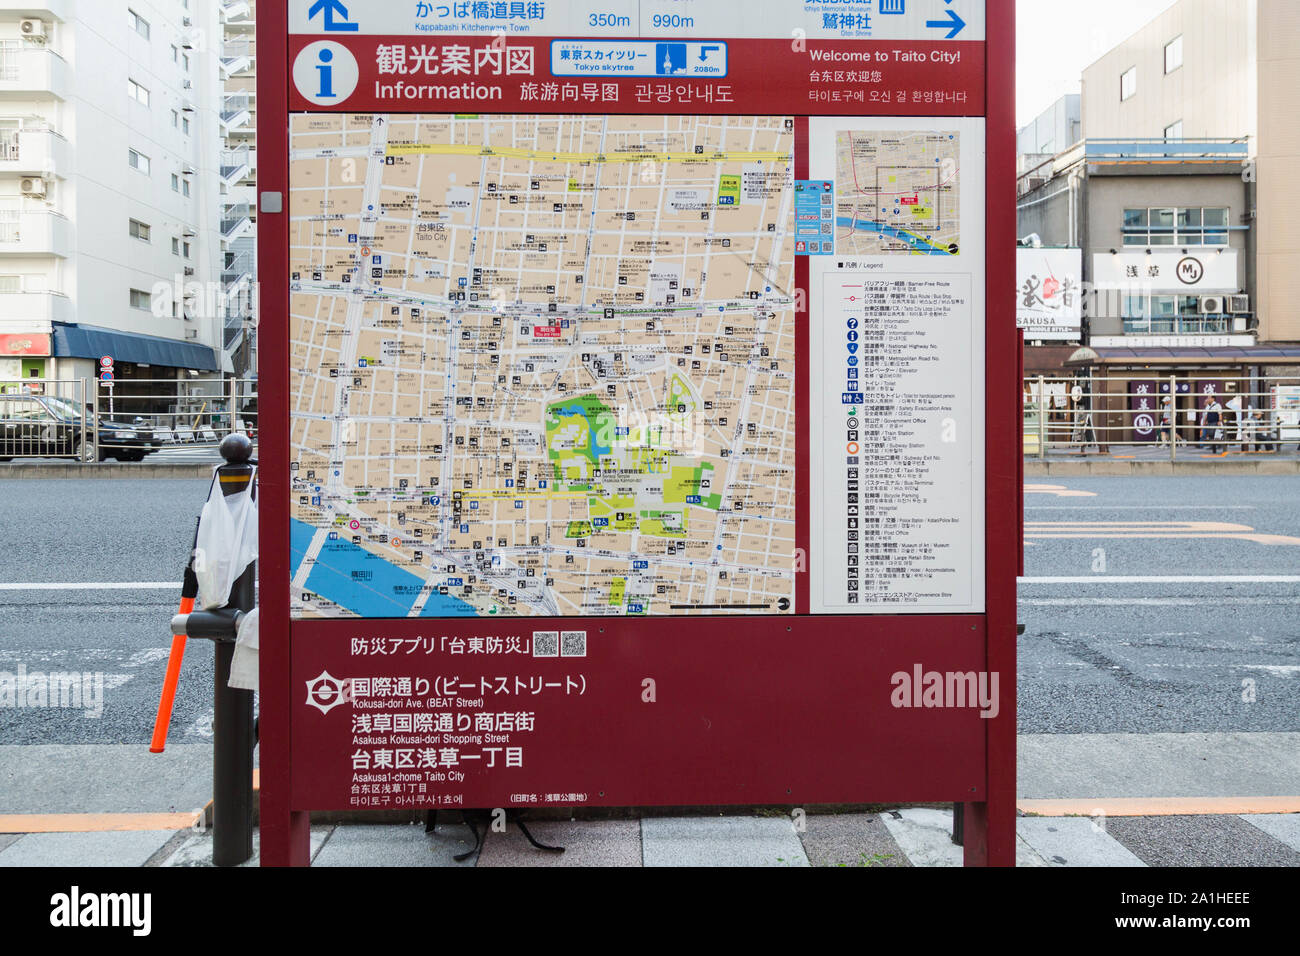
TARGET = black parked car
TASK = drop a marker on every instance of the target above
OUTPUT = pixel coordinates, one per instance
(36, 426)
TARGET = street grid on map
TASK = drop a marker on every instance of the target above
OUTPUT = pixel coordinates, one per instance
(897, 193)
(542, 365)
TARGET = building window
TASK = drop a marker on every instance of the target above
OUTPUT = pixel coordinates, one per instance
(176, 183)
(1174, 131)
(1165, 226)
(1128, 83)
(185, 188)
(1170, 315)
(1173, 54)
(138, 160)
(176, 246)
(138, 23)
(176, 119)
(185, 125)
(176, 54)
(11, 283)
(185, 62)
(140, 300)
(139, 230)
(186, 248)
(137, 92)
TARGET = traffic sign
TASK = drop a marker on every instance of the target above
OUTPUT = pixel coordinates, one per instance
(106, 361)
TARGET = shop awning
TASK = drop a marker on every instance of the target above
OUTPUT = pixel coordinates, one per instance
(89, 341)
(1223, 355)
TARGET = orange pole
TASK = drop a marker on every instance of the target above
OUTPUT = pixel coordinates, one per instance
(168, 698)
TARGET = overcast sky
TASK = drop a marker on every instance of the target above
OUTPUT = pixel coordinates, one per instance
(1056, 39)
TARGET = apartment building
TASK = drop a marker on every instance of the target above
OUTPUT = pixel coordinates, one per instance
(111, 226)
(238, 184)
(1215, 70)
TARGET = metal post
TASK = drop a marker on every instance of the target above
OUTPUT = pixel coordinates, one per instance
(233, 740)
(1042, 421)
(94, 421)
(1173, 418)
(234, 405)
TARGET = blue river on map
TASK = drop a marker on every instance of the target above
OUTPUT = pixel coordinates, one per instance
(916, 242)
(364, 583)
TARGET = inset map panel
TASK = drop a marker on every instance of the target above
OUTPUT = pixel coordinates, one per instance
(897, 193)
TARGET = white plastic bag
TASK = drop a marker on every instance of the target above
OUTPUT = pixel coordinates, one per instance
(227, 543)
(243, 666)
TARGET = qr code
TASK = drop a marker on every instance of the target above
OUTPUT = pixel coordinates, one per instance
(573, 644)
(546, 643)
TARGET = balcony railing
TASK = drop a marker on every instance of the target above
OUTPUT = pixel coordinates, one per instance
(233, 105)
(35, 151)
(27, 69)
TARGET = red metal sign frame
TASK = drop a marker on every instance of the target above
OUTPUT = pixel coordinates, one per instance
(759, 710)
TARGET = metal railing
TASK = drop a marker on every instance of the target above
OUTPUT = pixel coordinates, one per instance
(45, 418)
(1152, 415)
(126, 420)
(233, 105)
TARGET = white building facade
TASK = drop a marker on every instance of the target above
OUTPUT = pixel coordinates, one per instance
(111, 215)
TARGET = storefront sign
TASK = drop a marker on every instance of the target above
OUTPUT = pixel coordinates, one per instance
(1049, 304)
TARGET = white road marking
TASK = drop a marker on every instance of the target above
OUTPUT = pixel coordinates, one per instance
(1139, 507)
(90, 586)
(1080, 602)
(1171, 579)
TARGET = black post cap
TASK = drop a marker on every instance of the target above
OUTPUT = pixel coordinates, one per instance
(236, 449)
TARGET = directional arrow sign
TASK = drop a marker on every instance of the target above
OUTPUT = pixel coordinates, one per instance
(704, 52)
(330, 8)
(954, 24)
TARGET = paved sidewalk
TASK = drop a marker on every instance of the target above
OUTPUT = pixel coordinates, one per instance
(906, 837)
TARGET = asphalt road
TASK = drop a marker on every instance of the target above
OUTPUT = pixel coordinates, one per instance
(63, 531)
(1101, 656)
(1106, 656)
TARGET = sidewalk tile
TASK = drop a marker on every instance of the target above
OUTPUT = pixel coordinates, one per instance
(396, 845)
(100, 848)
(850, 839)
(721, 841)
(196, 850)
(1200, 841)
(924, 835)
(1281, 826)
(1073, 841)
(586, 843)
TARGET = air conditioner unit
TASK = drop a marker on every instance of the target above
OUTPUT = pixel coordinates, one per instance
(191, 333)
(33, 30)
(189, 271)
(187, 85)
(1240, 323)
(1238, 304)
(187, 22)
(1211, 305)
(34, 187)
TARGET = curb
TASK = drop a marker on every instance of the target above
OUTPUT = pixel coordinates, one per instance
(1158, 806)
(84, 470)
(1036, 468)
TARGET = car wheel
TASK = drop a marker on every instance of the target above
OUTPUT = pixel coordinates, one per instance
(86, 452)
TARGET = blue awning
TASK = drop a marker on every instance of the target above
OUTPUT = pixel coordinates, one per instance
(89, 341)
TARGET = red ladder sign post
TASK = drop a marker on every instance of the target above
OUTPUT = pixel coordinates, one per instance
(641, 403)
